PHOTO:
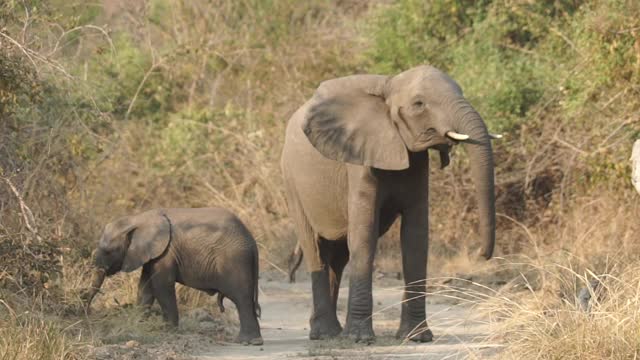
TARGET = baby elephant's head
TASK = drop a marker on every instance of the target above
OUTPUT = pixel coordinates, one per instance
(127, 244)
(113, 246)
(131, 241)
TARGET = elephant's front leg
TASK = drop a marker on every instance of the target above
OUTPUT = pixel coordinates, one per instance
(414, 235)
(145, 290)
(362, 239)
(163, 283)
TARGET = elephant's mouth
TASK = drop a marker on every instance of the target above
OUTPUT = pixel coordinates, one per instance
(108, 268)
(428, 139)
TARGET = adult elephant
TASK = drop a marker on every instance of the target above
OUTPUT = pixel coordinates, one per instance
(355, 159)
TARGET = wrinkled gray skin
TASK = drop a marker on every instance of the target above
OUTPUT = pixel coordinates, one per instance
(208, 249)
(355, 159)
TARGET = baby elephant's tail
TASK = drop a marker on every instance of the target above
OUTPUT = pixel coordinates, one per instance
(220, 299)
(256, 270)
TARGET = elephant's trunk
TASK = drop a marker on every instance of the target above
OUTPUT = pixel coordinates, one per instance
(468, 121)
(96, 282)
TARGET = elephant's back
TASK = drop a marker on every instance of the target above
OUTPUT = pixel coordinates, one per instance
(211, 226)
(317, 183)
(210, 243)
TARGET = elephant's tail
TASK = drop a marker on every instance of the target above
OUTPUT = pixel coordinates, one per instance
(295, 259)
(220, 300)
(256, 269)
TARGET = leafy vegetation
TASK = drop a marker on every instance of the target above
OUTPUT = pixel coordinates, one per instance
(122, 106)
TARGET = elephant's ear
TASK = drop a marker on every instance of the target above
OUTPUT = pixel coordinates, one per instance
(348, 120)
(148, 240)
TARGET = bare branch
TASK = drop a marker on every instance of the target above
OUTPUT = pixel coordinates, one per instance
(27, 214)
(78, 28)
(31, 55)
(153, 67)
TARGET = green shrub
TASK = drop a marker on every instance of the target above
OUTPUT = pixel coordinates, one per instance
(411, 32)
(489, 47)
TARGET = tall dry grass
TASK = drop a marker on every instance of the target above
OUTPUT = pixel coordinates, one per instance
(33, 338)
(538, 313)
(552, 325)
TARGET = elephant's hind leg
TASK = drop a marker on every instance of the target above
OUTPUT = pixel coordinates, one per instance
(323, 322)
(338, 259)
(325, 286)
(249, 327)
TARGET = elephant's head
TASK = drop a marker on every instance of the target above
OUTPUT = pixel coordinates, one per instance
(127, 244)
(373, 120)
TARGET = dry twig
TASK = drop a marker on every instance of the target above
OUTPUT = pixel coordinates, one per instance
(27, 214)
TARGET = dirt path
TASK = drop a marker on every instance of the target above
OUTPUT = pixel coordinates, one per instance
(285, 314)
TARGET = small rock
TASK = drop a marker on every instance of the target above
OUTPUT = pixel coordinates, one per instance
(131, 344)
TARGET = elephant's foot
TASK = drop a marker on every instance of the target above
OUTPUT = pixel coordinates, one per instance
(360, 331)
(171, 328)
(148, 311)
(325, 327)
(249, 339)
(419, 332)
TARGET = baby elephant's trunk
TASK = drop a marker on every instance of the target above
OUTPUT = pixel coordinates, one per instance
(96, 282)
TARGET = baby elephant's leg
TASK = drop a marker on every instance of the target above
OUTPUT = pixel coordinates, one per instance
(145, 290)
(249, 327)
(240, 288)
(163, 284)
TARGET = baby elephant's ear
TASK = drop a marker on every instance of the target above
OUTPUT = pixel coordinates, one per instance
(149, 239)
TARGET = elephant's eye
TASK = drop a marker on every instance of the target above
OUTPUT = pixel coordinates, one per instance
(418, 105)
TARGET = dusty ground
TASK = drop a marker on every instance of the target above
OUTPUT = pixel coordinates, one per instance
(285, 309)
(459, 331)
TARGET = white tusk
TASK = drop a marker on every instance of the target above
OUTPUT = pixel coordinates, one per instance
(495, 136)
(456, 136)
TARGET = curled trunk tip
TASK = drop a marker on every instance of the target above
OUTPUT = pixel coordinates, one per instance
(97, 279)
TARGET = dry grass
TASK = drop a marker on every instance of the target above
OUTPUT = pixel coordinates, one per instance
(28, 337)
(54, 325)
(531, 299)
(550, 323)
(537, 313)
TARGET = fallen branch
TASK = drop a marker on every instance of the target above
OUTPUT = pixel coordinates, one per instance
(27, 214)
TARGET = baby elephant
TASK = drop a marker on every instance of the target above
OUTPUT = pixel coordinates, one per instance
(208, 249)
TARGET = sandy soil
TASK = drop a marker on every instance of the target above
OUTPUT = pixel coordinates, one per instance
(459, 332)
